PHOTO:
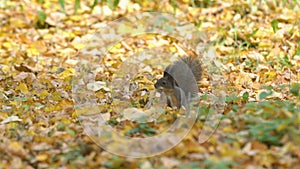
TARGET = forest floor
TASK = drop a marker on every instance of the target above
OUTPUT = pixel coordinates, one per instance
(256, 47)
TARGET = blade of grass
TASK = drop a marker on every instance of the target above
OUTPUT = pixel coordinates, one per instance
(77, 5)
(94, 4)
(62, 5)
(274, 24)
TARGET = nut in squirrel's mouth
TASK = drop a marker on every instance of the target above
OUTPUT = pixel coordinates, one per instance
(159, 89)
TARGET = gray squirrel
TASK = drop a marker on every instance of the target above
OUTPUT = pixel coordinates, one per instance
(179, 82)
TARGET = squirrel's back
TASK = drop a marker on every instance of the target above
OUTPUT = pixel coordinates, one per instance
(182, 65)
(180, 79)
(195, 66)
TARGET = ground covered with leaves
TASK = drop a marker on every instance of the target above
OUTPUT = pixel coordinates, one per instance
(257, 44)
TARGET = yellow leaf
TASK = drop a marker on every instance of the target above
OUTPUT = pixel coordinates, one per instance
(67, 51)
(228, 129)
(23, 88)
(115, 48)
(265, 44)
(54, 69)
(173, 49)
(271, 75)
(17, 22)
(282, 127)
(227, 150)
(30, 133)
(140, 29)
(74, 115)
(228, 16)
(56, 96)
(16, 147)
(84, 111)
(5, 69)
(262, 33)
(125, 29)
(41, 157)
(44, 94)
(40, 46)
(7, 45)
(67, 73)
(76, 18)
(32, 51)
(66, 120)
(47, 36)
(78, 46)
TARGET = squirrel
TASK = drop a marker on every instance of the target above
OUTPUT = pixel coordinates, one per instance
(179, 82)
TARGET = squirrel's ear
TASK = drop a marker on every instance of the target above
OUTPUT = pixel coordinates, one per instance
(166, 73)
(170, 79)
(175, 83)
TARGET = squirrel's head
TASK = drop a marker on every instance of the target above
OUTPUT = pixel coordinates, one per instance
(166, 82)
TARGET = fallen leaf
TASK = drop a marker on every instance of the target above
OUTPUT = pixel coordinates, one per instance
(22, 68)
(11, 119)
(42, 157)
(23, 88)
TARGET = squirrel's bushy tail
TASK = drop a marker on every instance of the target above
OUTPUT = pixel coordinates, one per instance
(195, 66)
(180, 81)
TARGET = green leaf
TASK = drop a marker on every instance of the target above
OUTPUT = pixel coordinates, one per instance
(274, 24)
(149, 131)
(132, 131)
(298, 49)
(114, 162)
(246, 96)
(77, 5)
(62, 4)
(42, 17)
(295, 89)
(112, 122)
(253, 33)
(198, 24)
(20, 99)
(112, 4)
(231, 98)
(285, 61)
(223, 164)
(116, 2)
(26, 107)
(263, 95)
(94, 4)
(61, 126)
(174, 5)
(190, 165)
(71, 132)
(168, 28)
(235, 108)
(73, 155)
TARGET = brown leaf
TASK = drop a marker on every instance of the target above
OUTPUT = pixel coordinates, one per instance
(22, 68)
(259, 146)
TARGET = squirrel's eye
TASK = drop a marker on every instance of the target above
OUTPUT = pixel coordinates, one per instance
(164, 82)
